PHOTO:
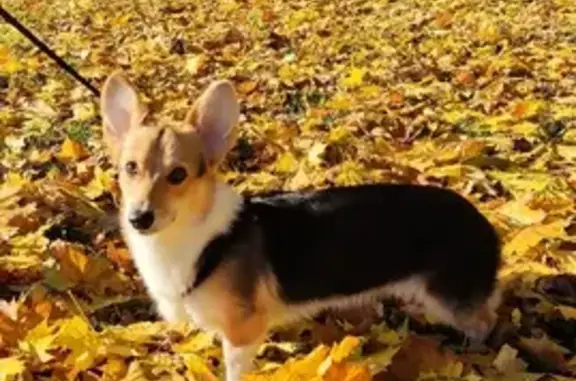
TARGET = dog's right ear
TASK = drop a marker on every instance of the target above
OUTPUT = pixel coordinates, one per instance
(121, 110)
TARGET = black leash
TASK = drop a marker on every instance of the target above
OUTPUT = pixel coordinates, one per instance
(42, 46)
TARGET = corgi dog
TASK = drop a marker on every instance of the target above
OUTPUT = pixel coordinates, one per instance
(240, 266)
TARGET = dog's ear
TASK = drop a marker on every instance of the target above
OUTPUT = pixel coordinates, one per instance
(120, 109)
(214, 116)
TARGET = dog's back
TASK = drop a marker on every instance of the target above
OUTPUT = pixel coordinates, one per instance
(342, 241)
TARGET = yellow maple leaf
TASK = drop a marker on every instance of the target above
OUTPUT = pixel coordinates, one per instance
(488, 32)
(39, 340)
(506, 358)
(135, 373)
(344, 348)
(73, 262)
(286, 163)
(347, 372)
(247, 87)
(350, 174)
(305, 369)
(521, 213)
(197, 368)
(72, 150)
(11, 366)
(531, 236)
(196, 64)
(114, 368)
(339, 102)
(82, 342)
(315, 153)
(567, 152)
(527, 108)
(121, 19)
(8, 63)
(354, 77)
(102, 182)
(195, 343)
(83, 111)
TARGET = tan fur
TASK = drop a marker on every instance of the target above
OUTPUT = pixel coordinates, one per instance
(241, 321)
(155, 158)
(180, 145)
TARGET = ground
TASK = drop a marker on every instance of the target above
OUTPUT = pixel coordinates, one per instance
(475, 95)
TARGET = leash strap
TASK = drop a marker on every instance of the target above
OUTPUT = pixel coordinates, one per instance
(42, 46)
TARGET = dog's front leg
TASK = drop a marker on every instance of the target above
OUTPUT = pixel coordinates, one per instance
(239, 359)
(171, 310)
(241, 339)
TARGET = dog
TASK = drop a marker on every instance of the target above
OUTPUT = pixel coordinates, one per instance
(240, 266)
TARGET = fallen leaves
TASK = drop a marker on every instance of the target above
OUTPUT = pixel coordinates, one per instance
(196, 64)
(466, 95)
(421, 356)
(531, 236)
(11, 366)
(521, 213)
(75, 269)
(354, 77)
(506, 361)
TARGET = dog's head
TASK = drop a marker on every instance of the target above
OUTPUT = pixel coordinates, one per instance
(166, 172)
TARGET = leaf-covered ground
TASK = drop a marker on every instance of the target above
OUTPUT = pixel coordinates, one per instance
(475, 95)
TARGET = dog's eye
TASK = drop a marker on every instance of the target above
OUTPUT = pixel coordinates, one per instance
(131, 168)
(177, 176)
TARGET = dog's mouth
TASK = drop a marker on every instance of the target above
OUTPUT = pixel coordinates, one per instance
(147, 232)
(157, 227)
(148, 223)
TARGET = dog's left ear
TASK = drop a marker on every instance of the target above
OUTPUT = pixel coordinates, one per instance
(214, 116)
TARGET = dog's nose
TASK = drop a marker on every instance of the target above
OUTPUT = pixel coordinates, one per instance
(141, 219)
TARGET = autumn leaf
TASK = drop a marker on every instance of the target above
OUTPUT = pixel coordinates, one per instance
(196, 64)
(347, 372)
(506, 361)
(8, 63)
(196, 343)
(101, 183)
(522, 213)
(121, 256)
(344, 348)
(115, 368)
(11, 366)
(354, 77)
(135, 373)
(527, 109)
(39, 340)
(444, 19)
(286, 162)
(247, 87)
(315, 153)
(72, 150)
(533, 235)
(197, 368)
(420, 356)
(470, 96)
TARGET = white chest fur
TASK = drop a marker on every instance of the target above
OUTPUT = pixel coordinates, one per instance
(166, 260)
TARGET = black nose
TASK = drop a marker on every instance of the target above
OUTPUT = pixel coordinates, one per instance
(142, 219)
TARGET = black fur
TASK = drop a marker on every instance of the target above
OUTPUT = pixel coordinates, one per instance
(343, 241)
